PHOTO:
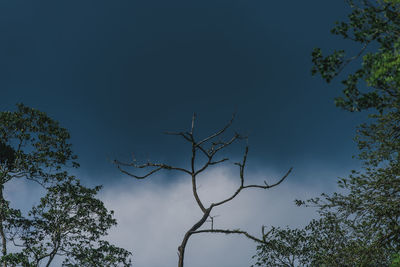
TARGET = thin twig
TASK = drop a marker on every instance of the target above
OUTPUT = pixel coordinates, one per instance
(217, 133)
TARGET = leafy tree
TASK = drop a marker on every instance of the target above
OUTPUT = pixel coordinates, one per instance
(207, 147)
(327, 241)
(34, 147)
(364, 220)
(376, 81)
(69, 220)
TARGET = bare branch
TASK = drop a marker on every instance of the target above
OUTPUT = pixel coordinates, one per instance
(225, 144)
(137, 176)
(264, 235)
(184, 135)
(193, 172)
(267, 186)
(349, 60)
(158, 166)
(218, 161)
(193, 119)
(215, 147)
(227, 231)
(181, 248)
(229, 198)
(208, 163)
(217, 133)
(207, 154)
(212, 220)
(196, 195)
(242, 186)
(241, 166)
(150, 164)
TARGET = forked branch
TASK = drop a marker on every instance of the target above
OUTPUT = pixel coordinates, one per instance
(208, 147)
(242, 186)
(217, 133)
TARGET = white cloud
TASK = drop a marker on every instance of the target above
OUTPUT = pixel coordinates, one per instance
(153, 215)
(152, 218)
(23, 194)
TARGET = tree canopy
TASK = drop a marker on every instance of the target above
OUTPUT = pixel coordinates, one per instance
(375, 25)
(360, 226)
(69, 221)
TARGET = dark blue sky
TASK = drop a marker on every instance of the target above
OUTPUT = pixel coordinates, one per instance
(119, 73)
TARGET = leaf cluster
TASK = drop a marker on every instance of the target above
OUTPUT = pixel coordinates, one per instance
(375, 83)
(33, 146)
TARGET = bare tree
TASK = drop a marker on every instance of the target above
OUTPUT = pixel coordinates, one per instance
(209, 147)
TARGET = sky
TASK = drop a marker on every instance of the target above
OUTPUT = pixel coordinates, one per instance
(117, 74)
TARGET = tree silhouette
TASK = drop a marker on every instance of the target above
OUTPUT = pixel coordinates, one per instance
(208, 147)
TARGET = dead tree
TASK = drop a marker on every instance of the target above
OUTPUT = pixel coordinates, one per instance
(209, 147)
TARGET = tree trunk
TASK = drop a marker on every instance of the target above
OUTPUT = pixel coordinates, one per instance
(181, 248)
(2, 218)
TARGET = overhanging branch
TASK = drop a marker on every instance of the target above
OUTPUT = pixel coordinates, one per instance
(227, 231)
(157, 166)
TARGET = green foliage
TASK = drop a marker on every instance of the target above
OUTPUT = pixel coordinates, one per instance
(16, 259)
(103, 254)
(375, 84)
(35, 146)
(69, 221)
(361, 225)
(291, 244)
(395, 260)
(323, 242)
(392, 1)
